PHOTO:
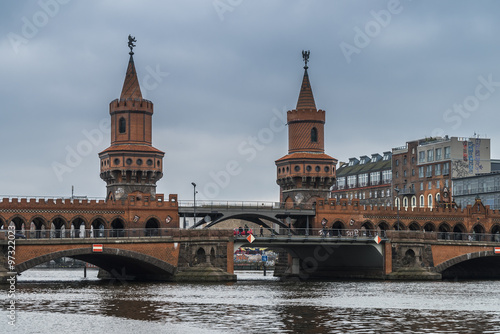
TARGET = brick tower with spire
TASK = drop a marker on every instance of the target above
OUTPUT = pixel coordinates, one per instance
(306, 172)
(131, 165)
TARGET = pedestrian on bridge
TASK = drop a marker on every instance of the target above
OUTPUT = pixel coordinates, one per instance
(261, 234)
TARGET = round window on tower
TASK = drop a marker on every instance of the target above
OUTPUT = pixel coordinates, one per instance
(139, 162)
(297, 168)
(128, 161)
(116, 161)
(308, 168)
(149, 162)
(317, 168)
(327, 169)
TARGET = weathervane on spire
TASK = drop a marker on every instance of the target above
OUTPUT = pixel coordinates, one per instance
(131, 45)
(305, 56)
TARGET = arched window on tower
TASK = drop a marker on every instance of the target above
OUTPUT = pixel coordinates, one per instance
(314, 135)
(122, 125)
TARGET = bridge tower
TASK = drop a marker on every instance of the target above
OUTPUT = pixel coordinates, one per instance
(131, 164)
(306, 172)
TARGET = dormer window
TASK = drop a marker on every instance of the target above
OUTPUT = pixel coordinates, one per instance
(314, 135)
(122, 125)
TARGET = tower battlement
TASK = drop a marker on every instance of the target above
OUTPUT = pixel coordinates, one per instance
(309, 114)
(130, 104)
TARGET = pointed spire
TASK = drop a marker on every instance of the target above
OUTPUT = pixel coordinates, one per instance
(306, 98)
(131, 88)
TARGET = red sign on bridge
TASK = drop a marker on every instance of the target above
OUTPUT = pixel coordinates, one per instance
(497, 250)
(97, 247)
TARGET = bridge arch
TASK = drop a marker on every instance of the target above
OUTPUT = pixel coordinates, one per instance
(484, 264)
(76, 227)
(39, 225)
(97, 221)
(118, 227)
(18, 221)
(118, 262)
(495, 229)
(152, 226)
(429, 227)
(414, 226)
(458, 231)
(383, 226)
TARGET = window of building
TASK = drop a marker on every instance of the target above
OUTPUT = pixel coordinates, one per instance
(429, 185)
(314, 135)
(374, 178)
(447, 152)
(341, 182)
(382, 193)
(421, 186)
(386, 157)
(429, 201)
(421, 171)
(397, 175)
(438, 153)
(438, 184)
(413, 201)
(412, 160)
(122, 125)
(438, 198)
(405, 202)
(351, 181)
(386, 176)
(404, 161)
(375, 194)
(397, 162)
(428, 172)
(421, 156)
(446, 168)
(388, 192)
(363, 180)
(437, 169)
(404, 173)
(446, 183)
(413, 172)
(422, 204)
(430, 155)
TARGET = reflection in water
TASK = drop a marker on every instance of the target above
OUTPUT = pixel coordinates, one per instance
(257, 304)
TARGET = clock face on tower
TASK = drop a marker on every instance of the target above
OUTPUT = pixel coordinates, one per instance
(119, 192)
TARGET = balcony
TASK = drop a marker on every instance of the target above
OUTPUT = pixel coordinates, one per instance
(407, 191)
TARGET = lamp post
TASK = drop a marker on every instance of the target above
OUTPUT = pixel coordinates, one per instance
(397, 203)
(194, 202)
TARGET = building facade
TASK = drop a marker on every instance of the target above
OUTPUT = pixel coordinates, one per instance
(423, 169)
(367, 179)
(484, 186)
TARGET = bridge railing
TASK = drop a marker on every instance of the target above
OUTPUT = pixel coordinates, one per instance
(115, 233)
(244, 205)
(244, 233)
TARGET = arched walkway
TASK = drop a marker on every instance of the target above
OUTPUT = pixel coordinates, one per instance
(414, 226)
(117, 228)
(429, 227)
(444, 231)
(152, 227)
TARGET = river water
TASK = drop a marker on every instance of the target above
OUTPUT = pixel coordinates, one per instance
(62, 301)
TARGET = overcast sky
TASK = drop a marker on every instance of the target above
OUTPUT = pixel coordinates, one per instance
(222, 75)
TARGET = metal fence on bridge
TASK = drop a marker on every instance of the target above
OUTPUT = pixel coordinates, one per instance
(244, 233)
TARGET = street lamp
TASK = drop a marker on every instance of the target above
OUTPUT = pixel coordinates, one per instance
(194, 202)
(397, 203)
